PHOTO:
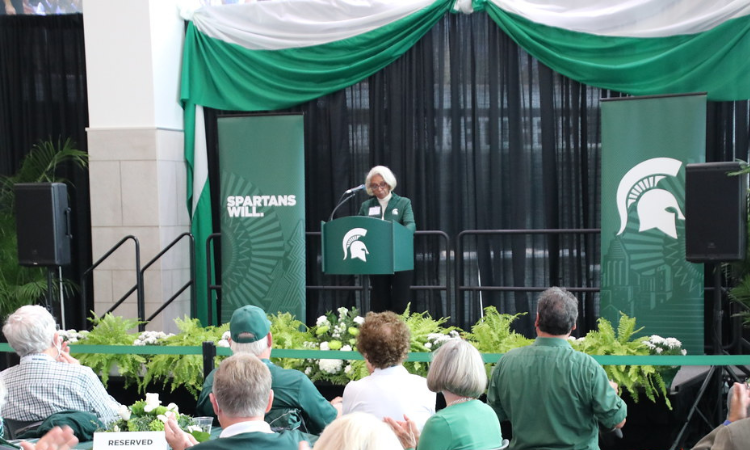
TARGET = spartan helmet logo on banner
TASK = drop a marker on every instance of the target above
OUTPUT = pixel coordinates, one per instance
(657, 208)
(353, 247)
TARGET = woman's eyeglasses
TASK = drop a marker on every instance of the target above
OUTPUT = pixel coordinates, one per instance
(382, 185)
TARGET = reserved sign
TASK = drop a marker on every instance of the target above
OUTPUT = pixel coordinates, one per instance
(130, 440)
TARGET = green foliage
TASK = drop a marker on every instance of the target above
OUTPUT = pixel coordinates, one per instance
(492, 334)
(288, 333)
(607, 341)
(112, 330)
(741, 294)
(739, 272)
(26, 285)
(424, 332)
(182, 370)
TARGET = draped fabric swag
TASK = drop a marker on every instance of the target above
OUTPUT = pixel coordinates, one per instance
(480, 133)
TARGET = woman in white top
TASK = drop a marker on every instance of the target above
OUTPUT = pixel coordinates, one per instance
(389, 390)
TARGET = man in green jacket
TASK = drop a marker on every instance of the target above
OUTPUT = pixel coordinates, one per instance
(297, 404)
(242, 395)
(554, 396)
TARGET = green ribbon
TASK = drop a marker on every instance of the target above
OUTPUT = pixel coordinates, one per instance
(605, 360)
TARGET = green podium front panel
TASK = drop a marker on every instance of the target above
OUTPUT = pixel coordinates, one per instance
(364, 245)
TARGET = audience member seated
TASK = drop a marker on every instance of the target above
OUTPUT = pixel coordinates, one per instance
(734, 433)
(389, 390)
(48, 380)
(57, 438)
(241, 397)
(554, 396)
(297, 404)
(357, 431)
(466, 423)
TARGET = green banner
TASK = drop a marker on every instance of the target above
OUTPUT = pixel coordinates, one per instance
(261, 160)
(646, 144)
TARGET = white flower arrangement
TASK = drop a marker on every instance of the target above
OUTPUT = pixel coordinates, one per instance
(331, 366)
(333, 332)
(151, 338)
(72, 335)
(148, 415)
(436, 340)
(224, 341)
(658, 345)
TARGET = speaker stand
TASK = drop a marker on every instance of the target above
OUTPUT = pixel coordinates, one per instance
(716, 373)
(49, 299)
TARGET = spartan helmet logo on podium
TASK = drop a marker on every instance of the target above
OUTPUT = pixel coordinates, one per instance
(657, 208)
(353, 247)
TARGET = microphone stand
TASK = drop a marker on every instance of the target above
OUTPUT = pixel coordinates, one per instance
(344, 198)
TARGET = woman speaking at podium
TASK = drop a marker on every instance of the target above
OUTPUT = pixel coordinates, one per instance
(389, 292)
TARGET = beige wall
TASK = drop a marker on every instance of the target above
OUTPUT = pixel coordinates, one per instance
(135, 142)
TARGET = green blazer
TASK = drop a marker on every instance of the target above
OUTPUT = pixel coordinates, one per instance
(398, 210)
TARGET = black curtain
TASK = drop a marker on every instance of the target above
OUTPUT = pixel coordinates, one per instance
(481, 136)
(43, 96)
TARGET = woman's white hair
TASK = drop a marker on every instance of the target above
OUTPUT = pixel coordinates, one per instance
(457, 367)
(384, 172)
(358, 431)
(31, 329)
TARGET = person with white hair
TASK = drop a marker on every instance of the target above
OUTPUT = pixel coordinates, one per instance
(48, 380)
(389, 292)
(297, 404)
(357, 431)
(466, 423)
(241, 396)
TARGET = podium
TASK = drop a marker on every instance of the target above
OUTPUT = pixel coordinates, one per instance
(359, 245)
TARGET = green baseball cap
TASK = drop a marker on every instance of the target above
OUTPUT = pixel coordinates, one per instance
(249, 324)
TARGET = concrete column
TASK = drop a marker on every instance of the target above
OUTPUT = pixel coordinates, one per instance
(135, 142)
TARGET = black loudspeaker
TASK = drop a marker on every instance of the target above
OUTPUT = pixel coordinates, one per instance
(715, 212)
(42, 224)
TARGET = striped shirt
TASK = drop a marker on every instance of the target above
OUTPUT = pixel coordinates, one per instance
(40, 386)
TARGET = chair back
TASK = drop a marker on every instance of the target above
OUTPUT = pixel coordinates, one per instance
(15, 428)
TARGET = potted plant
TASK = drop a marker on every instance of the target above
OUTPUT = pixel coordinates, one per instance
(26, 285)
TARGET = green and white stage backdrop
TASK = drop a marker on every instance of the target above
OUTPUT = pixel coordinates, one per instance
(264, 56)
(646, 143)
(261, 161)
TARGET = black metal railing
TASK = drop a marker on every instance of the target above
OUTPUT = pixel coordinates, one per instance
(141, 304)
(461, 258)
(139, 286)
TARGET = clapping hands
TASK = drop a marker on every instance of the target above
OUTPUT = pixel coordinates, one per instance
(406, 431)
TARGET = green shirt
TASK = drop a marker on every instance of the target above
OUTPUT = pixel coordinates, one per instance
(464, 426)
(398, 210)
(297, 404)
(553, 396)
(286, 440)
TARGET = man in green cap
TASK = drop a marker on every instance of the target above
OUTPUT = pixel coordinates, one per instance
(297, 404)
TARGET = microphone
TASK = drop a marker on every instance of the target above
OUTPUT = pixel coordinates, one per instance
(354, 189)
